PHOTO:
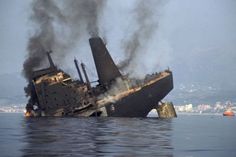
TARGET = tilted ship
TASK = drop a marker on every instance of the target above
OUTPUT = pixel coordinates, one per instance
(55, 93)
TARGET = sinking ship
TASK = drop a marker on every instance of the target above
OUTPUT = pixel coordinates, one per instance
(54, 93)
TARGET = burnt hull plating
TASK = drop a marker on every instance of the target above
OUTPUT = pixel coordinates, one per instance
(54, 93)
(140, 103)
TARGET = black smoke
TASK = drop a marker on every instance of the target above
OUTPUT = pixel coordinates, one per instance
(145, 26)
(57, 26)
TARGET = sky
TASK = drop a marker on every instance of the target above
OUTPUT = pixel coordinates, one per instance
(196, 39)
(14, 33)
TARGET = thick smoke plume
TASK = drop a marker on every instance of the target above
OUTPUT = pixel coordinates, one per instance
(57, 26)
(144, 26)
(44, 13)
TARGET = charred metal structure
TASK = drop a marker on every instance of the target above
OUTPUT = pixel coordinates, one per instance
(54, 93)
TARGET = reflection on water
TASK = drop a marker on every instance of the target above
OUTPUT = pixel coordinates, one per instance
(187, 135)
(97, 136)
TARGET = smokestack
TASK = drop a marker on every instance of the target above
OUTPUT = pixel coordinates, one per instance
(78, 70)
(52, 65)
(86, 76)
(106, 68)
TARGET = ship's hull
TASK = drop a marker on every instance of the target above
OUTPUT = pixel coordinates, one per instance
(54, 93)
(140, 103)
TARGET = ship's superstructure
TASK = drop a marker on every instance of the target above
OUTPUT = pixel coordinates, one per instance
(54, 93)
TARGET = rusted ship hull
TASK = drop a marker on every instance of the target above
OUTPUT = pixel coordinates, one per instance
(140, 103)
(55, 93)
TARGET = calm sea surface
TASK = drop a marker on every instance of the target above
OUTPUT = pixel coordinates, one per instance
(187, 135)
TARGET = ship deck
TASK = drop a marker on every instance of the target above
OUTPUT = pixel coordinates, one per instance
(118, 96)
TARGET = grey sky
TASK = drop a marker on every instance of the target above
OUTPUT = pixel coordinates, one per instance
(202, 35)
(197, 39)
(13, 30)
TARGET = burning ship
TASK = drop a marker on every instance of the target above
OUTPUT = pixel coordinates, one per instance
(54, 93)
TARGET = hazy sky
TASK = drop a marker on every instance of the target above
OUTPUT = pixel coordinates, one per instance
(14, 32)
(196, 39)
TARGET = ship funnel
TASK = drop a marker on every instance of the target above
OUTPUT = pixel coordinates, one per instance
(106, 68)
(52, 65)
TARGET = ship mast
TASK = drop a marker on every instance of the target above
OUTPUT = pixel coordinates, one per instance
(78, 70)
(52, 65)
(85, 75)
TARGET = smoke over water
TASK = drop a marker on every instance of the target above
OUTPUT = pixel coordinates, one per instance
(145, 25)
(57, 26)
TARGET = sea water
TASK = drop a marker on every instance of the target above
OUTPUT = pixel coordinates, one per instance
(187, 135)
